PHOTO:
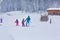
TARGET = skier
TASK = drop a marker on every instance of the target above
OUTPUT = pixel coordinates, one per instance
(28, 21)
(1, 20)
(17, 22)
(50, 21)
(23, 21)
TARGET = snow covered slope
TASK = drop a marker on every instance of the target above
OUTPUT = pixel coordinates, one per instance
(36, 31)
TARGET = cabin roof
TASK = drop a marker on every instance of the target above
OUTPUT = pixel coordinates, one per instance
(53, 9)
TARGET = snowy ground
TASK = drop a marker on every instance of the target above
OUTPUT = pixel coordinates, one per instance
(36, 31)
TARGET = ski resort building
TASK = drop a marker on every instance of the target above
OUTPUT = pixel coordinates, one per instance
(53, 11)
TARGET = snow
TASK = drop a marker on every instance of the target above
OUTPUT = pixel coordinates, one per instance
(36, 31)
(53, 9)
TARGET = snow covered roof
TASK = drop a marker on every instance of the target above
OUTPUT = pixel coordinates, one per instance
(53, 9)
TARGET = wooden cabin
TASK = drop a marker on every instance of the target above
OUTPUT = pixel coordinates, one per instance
(53, 11)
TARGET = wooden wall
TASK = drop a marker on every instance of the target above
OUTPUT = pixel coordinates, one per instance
(53, 12)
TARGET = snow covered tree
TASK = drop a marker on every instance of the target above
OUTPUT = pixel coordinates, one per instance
(27, 5)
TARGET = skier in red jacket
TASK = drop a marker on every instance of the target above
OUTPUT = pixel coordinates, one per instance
(17, 22)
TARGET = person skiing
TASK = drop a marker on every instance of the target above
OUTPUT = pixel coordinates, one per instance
(1, 20)
(28, 21)
(17, 22)
(50, 21)
(23, 22)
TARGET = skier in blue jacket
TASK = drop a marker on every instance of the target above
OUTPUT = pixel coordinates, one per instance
(28, 21)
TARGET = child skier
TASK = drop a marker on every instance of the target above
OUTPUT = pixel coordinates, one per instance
(23, 21)
(28, 21)
(17, 22)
